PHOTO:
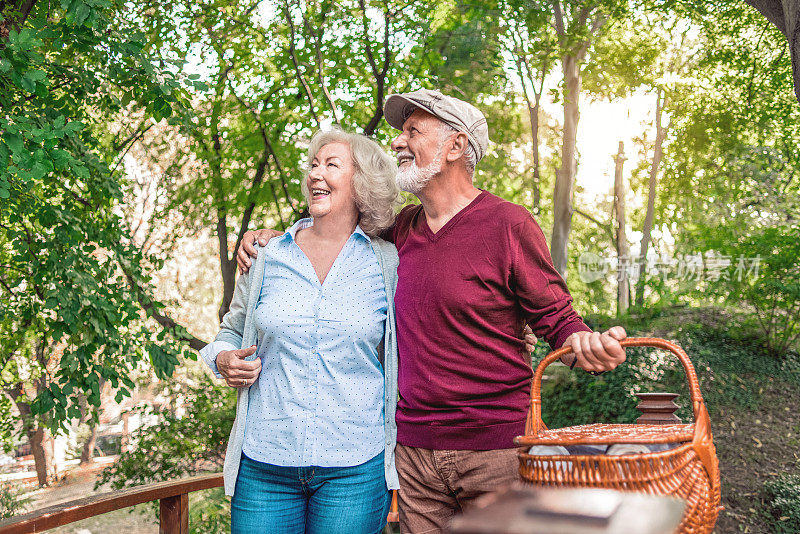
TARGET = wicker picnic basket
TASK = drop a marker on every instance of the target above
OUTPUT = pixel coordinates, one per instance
(689, 471)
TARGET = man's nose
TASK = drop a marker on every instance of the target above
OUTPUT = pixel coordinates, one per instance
(399, 142)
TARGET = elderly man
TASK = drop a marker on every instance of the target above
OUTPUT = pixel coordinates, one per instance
(474, 269)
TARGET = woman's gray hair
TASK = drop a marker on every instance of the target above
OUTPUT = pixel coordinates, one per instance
(374, 181)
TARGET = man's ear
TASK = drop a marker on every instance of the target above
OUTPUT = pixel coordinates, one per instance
(458, 148)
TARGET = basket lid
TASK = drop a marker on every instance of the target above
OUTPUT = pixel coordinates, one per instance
(608, 434)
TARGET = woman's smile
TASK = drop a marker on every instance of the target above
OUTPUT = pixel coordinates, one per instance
(330, 180)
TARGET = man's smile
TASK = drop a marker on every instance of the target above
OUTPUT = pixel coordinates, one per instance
(404, 157)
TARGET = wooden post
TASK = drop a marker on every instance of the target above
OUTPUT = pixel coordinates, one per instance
(657, 409)
(174, 517)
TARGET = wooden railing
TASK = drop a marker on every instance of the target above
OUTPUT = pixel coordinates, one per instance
(173, 498)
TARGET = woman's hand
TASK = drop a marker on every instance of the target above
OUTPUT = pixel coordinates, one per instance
(237, 371)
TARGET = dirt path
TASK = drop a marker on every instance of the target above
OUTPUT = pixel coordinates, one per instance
(753, 447)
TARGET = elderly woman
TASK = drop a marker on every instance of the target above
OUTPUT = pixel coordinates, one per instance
(309, 341)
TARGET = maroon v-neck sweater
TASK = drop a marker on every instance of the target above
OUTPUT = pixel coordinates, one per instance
(463, 298)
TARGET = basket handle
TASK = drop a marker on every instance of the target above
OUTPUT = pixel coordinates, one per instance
(534, 423)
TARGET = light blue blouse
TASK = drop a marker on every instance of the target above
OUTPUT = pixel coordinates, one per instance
(239, 329)
(319, 397)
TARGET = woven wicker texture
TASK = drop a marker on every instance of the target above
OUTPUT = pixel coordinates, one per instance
(689, 471)
(607, 434)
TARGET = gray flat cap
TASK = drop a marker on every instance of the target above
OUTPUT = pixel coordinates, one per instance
(460, 115)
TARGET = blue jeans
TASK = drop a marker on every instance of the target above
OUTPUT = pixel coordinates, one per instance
(313, 500)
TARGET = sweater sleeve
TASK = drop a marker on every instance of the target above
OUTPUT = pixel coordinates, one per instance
(542, 293)
(231, 329)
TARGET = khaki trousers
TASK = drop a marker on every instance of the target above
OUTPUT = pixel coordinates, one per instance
(437, 484)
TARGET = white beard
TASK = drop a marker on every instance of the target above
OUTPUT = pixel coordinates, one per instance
(413, 178)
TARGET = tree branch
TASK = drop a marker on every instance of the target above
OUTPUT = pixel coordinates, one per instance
(604, 227)
(558, 17)
(5, 285)
(596, 25)
(166, 322)
(271, 150)
(293, 54)
(130, 141)
(5, 26)
(320, 77)
(380, 76)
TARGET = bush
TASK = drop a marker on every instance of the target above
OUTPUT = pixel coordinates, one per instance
(12, 501)
(178, 445)
(576, 398)
(783, 501)
(181, 445)
(209, 512)
(773, 292)
(728, 354)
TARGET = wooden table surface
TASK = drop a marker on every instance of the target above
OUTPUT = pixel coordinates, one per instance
(525, 509)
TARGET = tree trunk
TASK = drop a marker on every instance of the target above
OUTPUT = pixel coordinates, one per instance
(658, 153)
(42, 450)
(38, 436)
(623, 251)
(565, 176)
(226, 266)
(125, 442)
(87, 454)
(785, 15)
(525, 74)
(533, 111)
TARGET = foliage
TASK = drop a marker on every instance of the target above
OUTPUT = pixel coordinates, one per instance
(277, 74)
(783, 493)
(180, 443)
(6, 424)
(759, 240)
(184, 441)
(12, 501)
(625, 58)
(209, 511)
(774, 290)
(71, 301)
(726, 351)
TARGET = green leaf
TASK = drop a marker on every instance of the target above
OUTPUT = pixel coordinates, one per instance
(80, 171)
(82, 13)
(14, 142)
(35, 75)
(28, 84)
(39, 170)
(127, 98)
(73, 126)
